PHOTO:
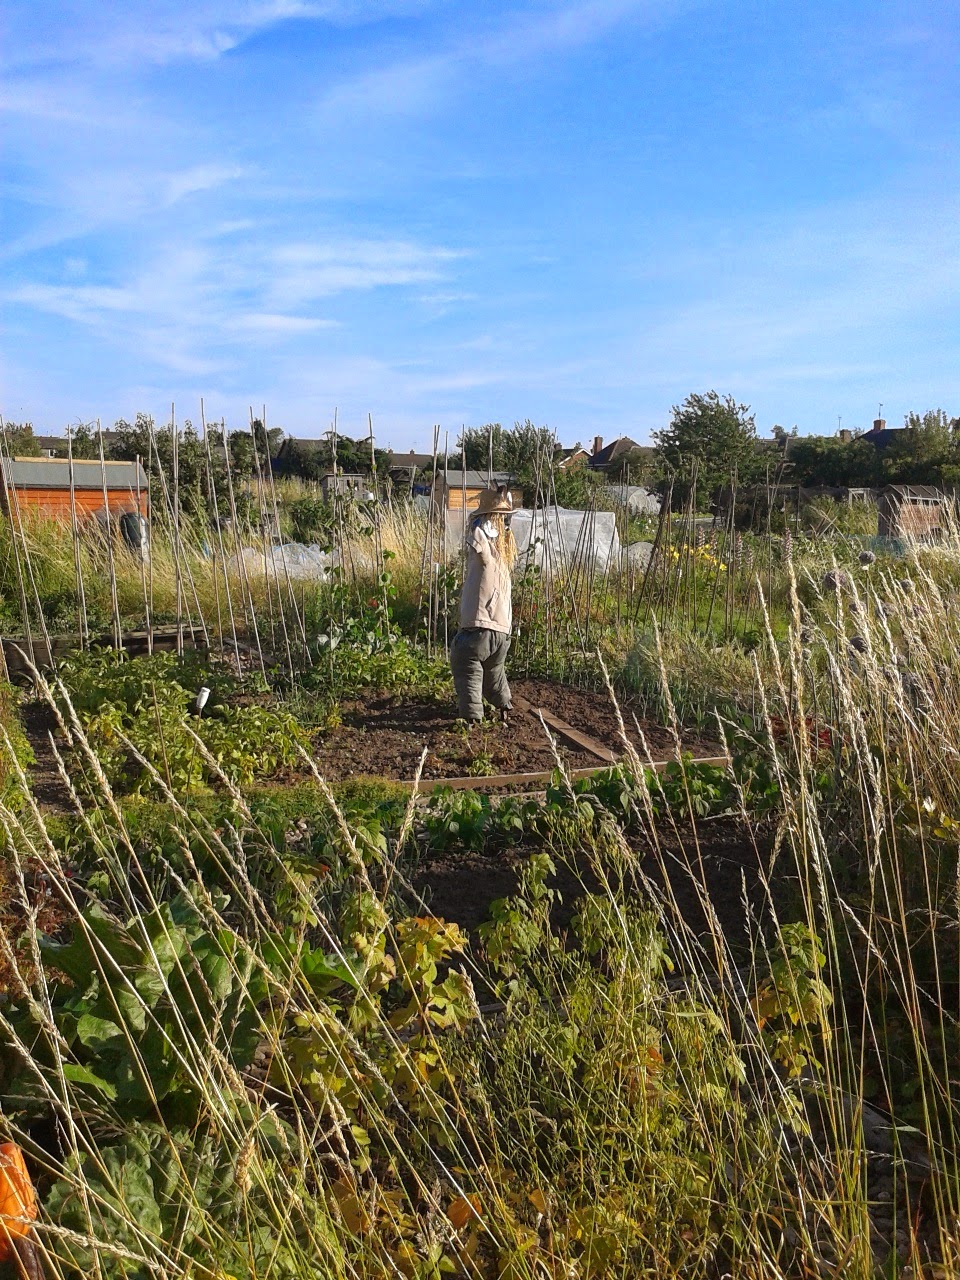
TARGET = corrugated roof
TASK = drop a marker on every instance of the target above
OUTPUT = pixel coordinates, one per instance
(54, 473)
(926, 492)
(474, 479)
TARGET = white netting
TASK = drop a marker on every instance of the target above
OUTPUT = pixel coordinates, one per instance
(637, 500)
(293, 559)
(555, 538)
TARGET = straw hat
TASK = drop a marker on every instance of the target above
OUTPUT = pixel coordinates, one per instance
(494, 502)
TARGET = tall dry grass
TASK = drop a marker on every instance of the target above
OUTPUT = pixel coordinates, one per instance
(606, 1114)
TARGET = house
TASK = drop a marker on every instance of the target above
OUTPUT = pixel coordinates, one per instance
(56, 446)
(460, 490)
(880, 435)
(607, 457)
(567, 459)
(403, 468)
(51, 446)
(912, 511)
(42, 486)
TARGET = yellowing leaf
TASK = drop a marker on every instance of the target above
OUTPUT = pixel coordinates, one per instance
(463, 1210)
(538, 1200)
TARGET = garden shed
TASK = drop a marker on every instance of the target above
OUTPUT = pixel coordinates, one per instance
(346, 485)
(462, 489)
(42, 486)
(911, 511)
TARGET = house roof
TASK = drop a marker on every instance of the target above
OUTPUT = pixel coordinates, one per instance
(611, 452)
(54, 473)
(882, 436)
(412, 459)
(309, 444)
(60, 442)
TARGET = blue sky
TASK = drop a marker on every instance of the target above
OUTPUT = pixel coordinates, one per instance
(576, 211)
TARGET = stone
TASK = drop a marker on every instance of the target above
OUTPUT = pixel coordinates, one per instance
(637, 555)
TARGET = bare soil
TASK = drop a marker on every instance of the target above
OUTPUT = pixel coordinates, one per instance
(718, 869)
(384, 736)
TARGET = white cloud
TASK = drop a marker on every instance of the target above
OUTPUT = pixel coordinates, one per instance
(200, 177)
(85, 304)
(418, 86)
(190, 305)
(302, 272)
(270, 323)
(121, 32)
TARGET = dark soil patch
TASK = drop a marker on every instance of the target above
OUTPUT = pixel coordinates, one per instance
(716, 870)
(384, 735)
(47, 785)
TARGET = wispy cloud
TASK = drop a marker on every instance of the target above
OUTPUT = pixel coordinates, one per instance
(415, 86)
(123, 32)
(191, 304)
(199, 178)
(267, 323)
(303, 272)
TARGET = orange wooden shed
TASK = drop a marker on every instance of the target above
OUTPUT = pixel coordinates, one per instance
(43, 486)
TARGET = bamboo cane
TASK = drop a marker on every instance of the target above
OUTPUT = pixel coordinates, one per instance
(111, 562)
(82, 618)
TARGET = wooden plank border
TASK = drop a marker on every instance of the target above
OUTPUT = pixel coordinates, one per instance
(429, 785)
(574, 737)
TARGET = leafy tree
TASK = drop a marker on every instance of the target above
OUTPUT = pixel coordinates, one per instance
(576, 488)
(518, 449)
(144, 440)
(268, 439)
(84, 443)
(716, 432)
(636, 464)
(19, 440)
(828, 460)
(927, 452)
(475, 446)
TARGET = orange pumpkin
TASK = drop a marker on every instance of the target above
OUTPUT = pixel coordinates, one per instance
(18, 1200)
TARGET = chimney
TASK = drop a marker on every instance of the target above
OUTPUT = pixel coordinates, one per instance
(597, 444)
(879, 424)
(846, 435)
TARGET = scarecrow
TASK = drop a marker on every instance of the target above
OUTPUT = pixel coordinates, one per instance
(479, 649)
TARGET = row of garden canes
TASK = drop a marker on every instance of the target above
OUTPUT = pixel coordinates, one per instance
(486, 1134)
(217, 591)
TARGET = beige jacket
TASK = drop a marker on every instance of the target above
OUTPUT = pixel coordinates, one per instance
(487, 589)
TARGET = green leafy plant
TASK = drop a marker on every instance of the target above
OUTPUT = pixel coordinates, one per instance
(132, 1006)
(145, 702)
(791, 1004)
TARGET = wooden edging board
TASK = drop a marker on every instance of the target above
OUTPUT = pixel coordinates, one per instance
(135, 643)
(429, 785)
(576, 737)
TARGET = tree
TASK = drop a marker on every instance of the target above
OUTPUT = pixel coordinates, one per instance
(926, 452)
(713, 431)
(831, 461)
(634, 465)
(19, 440)
(84, 443)
(151, 444)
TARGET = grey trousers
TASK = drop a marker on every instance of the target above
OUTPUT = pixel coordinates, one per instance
(477, 660)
